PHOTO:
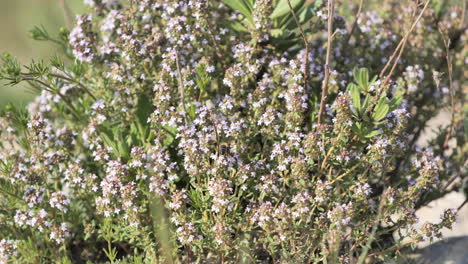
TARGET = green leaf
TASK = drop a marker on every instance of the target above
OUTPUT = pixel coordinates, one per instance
(355, 96)
(107, 137)
(39, 33)
(249, 4)
(191, 111)
(143, 112)
(240, 6)
(356, 74)
(171, 133)
(381, 109)
(144, 108)
(197, 202)
(357, 129)
(238, 27)
(122, 145)
(304, 14)
(395, 102)
(364, 79)
(365, 104)
(282, 8)
(372, 134)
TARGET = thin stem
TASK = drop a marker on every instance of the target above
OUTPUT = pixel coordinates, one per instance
(451, 90)
(346, 173)
(75, 82)
(399, 50)
(396, 247)
(331, 8)
(461, 205)
(354, 25)
(50, 89)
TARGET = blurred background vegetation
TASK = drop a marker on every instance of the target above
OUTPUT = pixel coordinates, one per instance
(17, 18)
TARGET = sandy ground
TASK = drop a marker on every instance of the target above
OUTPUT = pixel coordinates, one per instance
(453, 247)
(432, 212)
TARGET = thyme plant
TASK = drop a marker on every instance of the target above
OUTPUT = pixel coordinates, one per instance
(267, 131)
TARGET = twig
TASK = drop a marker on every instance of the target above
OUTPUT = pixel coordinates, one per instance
(399, 50)
(331, 8)
(381, 74)
(50, 89)
(401, 47)
(75, 82)
(346, 173)
(396, 247)
(66, 78)
(304, 38)
(324, 162)
(452, 99)
(353, 27)
(461, 205)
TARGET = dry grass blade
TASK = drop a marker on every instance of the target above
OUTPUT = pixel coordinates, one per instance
(331, 8)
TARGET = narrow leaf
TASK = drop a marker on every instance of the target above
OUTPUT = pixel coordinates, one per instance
(355, 96)
(282, 8)
(381, 109)
(240, 6)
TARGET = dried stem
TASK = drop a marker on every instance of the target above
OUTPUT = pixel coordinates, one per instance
(401, 47)
(399, 50)
(331, 8)
(354, 25)
(346, 173)
(451, 90)
(461, 205)
(395, 247)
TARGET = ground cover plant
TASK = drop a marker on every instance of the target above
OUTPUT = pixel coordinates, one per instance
(234, 132)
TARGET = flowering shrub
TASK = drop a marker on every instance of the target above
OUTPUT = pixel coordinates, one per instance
(235, 132)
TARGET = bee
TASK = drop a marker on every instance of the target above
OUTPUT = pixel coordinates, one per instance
(224, 149)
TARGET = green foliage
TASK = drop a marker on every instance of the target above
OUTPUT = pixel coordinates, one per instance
(361, 88)
(285, 29)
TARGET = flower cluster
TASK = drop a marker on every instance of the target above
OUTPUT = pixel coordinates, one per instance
(196, 130)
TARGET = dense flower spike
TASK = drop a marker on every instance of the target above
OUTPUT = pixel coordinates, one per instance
(187, 130)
